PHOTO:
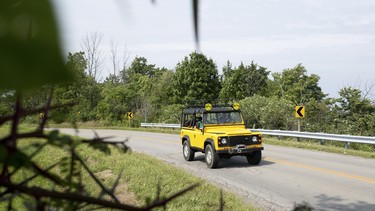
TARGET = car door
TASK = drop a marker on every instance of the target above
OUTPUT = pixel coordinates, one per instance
(197, 134)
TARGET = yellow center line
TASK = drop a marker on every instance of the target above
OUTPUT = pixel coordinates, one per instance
(337, 173)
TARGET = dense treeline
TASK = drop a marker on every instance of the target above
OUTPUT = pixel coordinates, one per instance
(156, 94)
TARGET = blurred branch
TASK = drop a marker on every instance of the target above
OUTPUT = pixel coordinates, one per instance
(39, 192)
(24, 113)
(104, 189)
(196, 22)
(46, 109)
(163, 202)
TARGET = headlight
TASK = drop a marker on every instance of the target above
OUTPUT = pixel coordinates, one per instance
(255, 138)
(224, 141)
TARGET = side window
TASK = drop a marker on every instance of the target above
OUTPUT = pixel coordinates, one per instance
(188, 120)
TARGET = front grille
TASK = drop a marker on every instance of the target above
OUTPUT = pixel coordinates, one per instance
(235, 140)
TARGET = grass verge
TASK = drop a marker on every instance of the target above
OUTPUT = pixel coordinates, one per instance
(315, 145)
(141, 176)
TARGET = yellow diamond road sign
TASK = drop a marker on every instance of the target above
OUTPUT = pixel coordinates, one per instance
(130, 115)
(300, 111)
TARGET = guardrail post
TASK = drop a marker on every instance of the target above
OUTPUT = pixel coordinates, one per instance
(347, 145)
(321, 142)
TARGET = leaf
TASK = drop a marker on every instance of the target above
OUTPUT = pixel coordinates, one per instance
(30, 54)
(18, 159)
(3, 153)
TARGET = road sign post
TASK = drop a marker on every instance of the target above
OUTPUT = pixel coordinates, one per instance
(130, 117)
(300, 113)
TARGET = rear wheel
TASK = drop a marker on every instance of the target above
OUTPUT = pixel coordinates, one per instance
(187, 151)
(212, 159)
(254, 158)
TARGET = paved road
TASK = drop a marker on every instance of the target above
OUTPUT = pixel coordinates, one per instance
(285, 176)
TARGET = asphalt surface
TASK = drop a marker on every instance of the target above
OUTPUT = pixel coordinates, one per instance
(285, 176)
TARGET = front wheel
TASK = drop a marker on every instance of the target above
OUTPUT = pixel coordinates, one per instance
(254, 158)
(187, 151)
(212, 159)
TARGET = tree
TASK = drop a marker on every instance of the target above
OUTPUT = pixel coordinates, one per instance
(321, 116)
(356, 113)
(93, 55)
(196, 78)
(115, 102)
(268, 112)
(295, 85)
(162, 89)
(117, 64)
(83, 90)
(243, 81)
(227, 71)
(140, 66)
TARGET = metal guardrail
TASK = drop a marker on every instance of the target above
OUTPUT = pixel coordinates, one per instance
(161, 125)
(320, 136)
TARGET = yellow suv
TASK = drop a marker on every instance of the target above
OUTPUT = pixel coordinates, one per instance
(218, 131)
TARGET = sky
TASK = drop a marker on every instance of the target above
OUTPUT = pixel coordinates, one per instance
(334, 39)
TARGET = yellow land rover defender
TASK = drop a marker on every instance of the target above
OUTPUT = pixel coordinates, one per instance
(218, 131)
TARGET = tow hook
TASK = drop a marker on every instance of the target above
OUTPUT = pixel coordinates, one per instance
(238, 148)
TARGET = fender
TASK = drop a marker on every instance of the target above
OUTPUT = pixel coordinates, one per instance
(209, 141)
(187, 138)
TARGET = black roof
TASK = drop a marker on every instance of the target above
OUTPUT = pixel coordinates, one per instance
(203, 110)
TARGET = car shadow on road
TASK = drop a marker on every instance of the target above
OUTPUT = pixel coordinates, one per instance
(234, 162)
(337, 203)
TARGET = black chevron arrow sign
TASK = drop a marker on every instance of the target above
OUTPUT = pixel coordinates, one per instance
(300, 111)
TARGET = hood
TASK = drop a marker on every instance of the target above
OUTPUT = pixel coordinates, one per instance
(228, 130)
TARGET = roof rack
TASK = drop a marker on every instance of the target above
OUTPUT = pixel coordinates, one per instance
(200, 103)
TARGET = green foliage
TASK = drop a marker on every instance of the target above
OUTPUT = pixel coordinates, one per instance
(116, 102)
(243, 81)
(6, 99)
(84, 91)
(269, 113)
(320, 117)
(295, 85)
(29, 29)
(171, 113)
(162, 89)
(356, 114)
(140, 66)
(196, 78)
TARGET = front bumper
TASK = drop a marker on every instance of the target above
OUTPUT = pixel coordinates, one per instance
(239, 151)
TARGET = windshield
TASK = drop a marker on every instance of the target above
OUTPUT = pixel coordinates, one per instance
(232, 117)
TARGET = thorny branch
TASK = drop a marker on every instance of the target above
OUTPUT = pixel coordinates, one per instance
(12, 190)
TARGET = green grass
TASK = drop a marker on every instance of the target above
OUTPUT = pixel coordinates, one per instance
(141, 176)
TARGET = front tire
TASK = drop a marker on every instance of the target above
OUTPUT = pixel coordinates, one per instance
(212, 159)
(254, 158)
(187, 151)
